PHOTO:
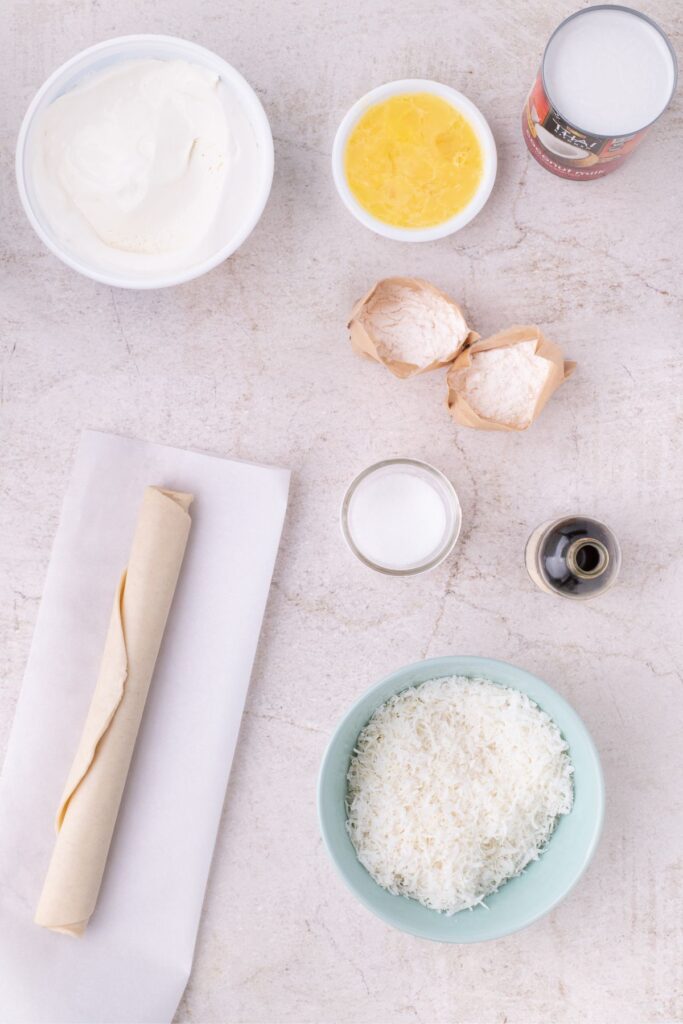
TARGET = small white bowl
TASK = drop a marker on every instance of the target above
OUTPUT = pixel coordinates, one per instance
(457, 100)
(97, 58)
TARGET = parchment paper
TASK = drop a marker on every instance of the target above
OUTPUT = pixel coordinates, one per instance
(134, 960)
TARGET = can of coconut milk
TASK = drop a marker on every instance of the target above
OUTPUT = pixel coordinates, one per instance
(607, 74)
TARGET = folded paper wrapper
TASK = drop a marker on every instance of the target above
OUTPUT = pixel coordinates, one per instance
(364, 343)
(90, 802)
(466, 343)
(560, 369)
(134, 959)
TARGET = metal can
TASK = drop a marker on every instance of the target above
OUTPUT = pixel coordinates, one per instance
(607, 74)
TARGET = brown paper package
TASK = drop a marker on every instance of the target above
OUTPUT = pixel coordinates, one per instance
(90, 803)
(364, 344)
(458, 406)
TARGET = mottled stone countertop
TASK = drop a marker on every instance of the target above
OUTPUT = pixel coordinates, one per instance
(252, 360)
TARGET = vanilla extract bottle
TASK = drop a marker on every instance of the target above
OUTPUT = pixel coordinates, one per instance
(575, 556)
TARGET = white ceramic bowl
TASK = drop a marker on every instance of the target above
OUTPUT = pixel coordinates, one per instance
(95, 59)
(461, 103)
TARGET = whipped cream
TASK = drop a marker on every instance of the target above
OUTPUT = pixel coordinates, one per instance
(147, 165)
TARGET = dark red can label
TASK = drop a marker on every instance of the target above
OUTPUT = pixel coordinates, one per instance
(562, 149)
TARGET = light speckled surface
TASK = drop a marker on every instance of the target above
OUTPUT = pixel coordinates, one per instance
(252, 360)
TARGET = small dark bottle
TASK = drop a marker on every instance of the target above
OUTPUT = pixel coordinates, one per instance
(575, 557)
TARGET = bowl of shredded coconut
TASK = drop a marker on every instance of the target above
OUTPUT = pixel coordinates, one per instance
(461, 799)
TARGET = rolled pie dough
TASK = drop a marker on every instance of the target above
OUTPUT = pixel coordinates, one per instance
(90, 803)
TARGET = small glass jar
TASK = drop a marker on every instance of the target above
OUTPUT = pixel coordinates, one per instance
(401, 517)
(575, 556)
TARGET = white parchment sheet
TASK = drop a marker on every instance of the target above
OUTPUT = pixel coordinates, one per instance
(134, 960)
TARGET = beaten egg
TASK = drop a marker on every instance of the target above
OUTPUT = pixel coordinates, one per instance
(413, 161)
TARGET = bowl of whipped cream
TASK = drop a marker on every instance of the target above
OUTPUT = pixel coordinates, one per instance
(144, 161)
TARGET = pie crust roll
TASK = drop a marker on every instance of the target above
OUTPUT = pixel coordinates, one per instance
(89, 806)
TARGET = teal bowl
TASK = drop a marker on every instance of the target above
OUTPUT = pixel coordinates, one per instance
(520, 901)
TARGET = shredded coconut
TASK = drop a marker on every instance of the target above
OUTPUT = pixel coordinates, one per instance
(503, 384)
(413, 325)
(453, 788)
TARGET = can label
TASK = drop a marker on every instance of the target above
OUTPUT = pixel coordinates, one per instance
(562, 149)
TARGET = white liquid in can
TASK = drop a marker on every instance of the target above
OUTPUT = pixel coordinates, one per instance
(609, 72)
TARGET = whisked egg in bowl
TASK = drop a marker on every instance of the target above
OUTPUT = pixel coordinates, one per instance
(414, 160)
